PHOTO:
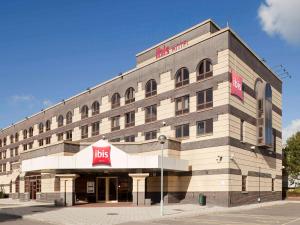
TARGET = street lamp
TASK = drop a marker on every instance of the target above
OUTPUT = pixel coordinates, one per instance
(162, 139)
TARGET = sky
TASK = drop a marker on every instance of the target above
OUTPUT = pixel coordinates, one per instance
(51, 50)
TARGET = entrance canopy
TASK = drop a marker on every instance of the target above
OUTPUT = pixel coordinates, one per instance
(102, 155)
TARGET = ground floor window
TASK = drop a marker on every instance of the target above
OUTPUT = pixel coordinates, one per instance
(244, 183)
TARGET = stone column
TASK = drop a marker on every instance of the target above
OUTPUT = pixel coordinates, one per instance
(138, 188)
(67, 189)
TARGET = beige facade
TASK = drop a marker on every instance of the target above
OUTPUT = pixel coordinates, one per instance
(220, 140)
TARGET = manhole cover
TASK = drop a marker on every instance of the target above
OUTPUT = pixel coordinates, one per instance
(112, 214)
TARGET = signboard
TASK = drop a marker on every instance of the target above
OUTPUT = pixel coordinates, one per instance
(90, 187)
(237, 85)
(166, 50)
(101, 155)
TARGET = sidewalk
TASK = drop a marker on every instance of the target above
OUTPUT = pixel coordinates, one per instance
(111, 215)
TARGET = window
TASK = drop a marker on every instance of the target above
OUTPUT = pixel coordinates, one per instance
(60, 121)
(48, 140)
(182, 131)
(151, 88)
(24, 147)
(95, 128)
(244, 183)
(150, 113)
(182, 105)
(69, 117)
(130, 138)
(4, 154)
(205, 69)
(17, 182)
(11, 139)
(205, 99)
(60, 137)
(16, 137)
(115, 140)
(30, 145)
(242, 131)
(0, 143)
(115, 100)
(30, 131)
(150, 135)
(84, 132)
(69, 135)
(129, 95)
(130, 119)
(84, 112)
(4, 168)
(16, 151)
(273, 184)
(11, 152)
(41, 128)
(182, 77)
(4, 141)
(48, 125)
(0, 155)
(268, 116)
(115, 123)
(274, 140)
(95, 108)
(205, 127)
(41, 142)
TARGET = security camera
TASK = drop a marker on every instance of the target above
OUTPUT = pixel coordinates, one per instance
(164, 123)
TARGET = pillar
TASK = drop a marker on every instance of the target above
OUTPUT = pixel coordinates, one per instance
(138, 188)
(67, 188)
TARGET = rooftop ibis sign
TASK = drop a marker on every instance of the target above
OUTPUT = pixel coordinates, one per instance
(166, 50)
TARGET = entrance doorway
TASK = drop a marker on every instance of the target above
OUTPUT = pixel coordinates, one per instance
(32, 185)
(107, 189)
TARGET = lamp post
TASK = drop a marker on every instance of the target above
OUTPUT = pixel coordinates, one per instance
(162, 139)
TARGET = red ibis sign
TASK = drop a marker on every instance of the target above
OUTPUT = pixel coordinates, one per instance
(237, 85)
(166, 50)
(101, 155)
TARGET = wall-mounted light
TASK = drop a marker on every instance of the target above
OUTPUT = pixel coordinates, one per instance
(219, 158)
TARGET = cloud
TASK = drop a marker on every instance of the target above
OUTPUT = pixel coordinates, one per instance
(281, 17)
(47, 103)
(291, 129)
(22, 98)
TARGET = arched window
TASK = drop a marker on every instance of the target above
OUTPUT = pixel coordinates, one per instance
(17, 186)
(16, 137)
(4, 141)
(115, 100)
(151, 88)
(30, 131)
(182, 77)
(24, 134)
(41, 128)
(95, 108)
(69, 117)
(84, 112)
(48, 125)
(129, 95)
(205, 69)
(0, 143)
(11, 139)
(60, 121)
(268, 115)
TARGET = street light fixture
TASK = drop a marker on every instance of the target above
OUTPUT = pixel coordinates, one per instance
(162, 139)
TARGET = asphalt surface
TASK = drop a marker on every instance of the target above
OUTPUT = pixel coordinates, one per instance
(287, 214)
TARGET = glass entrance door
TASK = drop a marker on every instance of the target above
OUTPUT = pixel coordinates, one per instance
(107, 189)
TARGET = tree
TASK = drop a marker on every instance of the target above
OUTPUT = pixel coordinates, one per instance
(291, 159)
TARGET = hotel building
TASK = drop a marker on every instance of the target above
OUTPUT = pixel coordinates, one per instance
(218, 104)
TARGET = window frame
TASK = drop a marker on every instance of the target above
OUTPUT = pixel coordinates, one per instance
(182, 131)
(206, 104)
(69, 117)
(115, 100)
(84, 112)
(95, 128)
(60, 121)
(150, 135)
(113, 120)
(150, 85)
(130, 116)
(180, 74)
(184, 110)
(129, 91)
(95, 108)
(205, 74)
(84, 131)
(151, 115)
(205, 127)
